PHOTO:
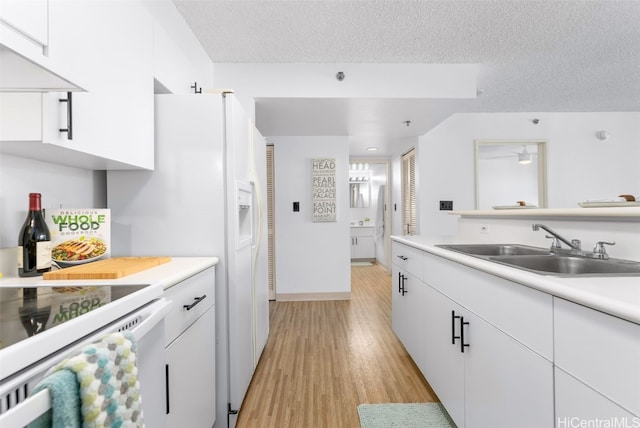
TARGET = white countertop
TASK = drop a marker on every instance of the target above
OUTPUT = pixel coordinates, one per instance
(157, 279)
(617, 296)
(165, 275)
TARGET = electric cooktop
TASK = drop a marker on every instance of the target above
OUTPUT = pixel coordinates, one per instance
(26, 312)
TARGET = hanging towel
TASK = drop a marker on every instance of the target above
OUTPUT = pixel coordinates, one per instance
(378, 232)
(106, 378)
(65, 401)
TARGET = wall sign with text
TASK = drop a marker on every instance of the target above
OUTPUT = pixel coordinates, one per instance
(323, 175)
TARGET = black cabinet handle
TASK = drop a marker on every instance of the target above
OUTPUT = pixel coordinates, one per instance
(462, 344)
(166, 385)
(453, 327)
(403, 258)
(400, 276)
(197, 300)
(404, 290)
(69, 129)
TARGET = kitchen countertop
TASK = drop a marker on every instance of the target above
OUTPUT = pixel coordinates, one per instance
(617, 296)
(165, 275)
(154, 280)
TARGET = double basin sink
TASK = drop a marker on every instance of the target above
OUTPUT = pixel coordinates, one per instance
(542, 261)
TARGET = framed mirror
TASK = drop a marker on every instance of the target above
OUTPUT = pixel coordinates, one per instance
(359, 185)
(510, 174)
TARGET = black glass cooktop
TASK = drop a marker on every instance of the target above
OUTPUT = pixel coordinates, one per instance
(25, 312)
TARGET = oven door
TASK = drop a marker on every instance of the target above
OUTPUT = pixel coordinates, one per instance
(147, 326)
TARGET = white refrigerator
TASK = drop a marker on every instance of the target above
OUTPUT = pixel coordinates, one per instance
(206, 197)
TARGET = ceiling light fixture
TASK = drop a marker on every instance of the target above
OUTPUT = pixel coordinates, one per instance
(372, 149)
(407, 122)
(340, 76)
(603, 135)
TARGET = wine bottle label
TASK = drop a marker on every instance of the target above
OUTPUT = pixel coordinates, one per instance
(43, 251)
(20, 262)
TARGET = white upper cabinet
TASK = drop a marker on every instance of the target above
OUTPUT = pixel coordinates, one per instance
(28, 18)
(107, 47)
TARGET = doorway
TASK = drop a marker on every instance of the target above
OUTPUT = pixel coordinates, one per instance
(370, 200)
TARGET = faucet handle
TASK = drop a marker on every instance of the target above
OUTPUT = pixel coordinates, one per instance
(599, 250)
(577, 244)
(555, 243)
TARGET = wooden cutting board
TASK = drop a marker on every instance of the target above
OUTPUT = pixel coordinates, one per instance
(113, 268)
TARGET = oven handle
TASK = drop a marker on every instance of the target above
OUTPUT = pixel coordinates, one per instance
(160, 310)
(28, 411)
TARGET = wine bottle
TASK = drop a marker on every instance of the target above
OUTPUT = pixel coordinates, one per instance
(34, 241)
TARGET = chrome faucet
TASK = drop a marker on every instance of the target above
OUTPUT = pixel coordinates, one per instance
(575, 245)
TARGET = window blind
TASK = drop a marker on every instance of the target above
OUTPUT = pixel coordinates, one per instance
(271, 257)
(409, 211)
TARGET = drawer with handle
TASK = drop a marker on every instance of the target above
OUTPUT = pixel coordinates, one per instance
(191, 298)
(408, 258)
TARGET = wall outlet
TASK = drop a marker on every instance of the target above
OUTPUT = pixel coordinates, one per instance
(484, 228)
(446, 205)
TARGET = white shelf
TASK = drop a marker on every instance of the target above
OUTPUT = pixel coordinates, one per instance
(620, 213)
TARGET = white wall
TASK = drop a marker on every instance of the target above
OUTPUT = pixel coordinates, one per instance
(579, 165)
(60, 186)
(312, 259)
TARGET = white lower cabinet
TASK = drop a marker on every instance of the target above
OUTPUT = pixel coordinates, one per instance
(444, 361)
(363, 244)
(408, 317)
(597, 358)
(484, 377)
(191, 376)
(578, 404)
(470, 334)
(190, 352)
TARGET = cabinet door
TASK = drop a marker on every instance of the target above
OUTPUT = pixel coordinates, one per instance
(108, 49)
(506, 384)
(577, 403)
(586, 339)
(191, 375)
(29, 18)
(444, 363)
(364, 247)
(408, 314)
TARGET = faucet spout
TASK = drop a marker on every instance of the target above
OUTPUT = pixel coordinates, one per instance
(574, 245)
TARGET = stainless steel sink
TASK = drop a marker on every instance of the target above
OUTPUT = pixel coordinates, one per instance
(571, 266)
(496, 249)
(543, 262)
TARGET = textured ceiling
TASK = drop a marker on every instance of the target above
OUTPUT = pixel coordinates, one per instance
(552, 55)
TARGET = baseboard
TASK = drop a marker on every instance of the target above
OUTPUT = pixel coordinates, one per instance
(299, 297)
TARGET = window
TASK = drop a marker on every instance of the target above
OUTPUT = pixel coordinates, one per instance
(409, 216)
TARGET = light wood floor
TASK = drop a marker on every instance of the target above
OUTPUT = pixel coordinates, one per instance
(325, 358)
